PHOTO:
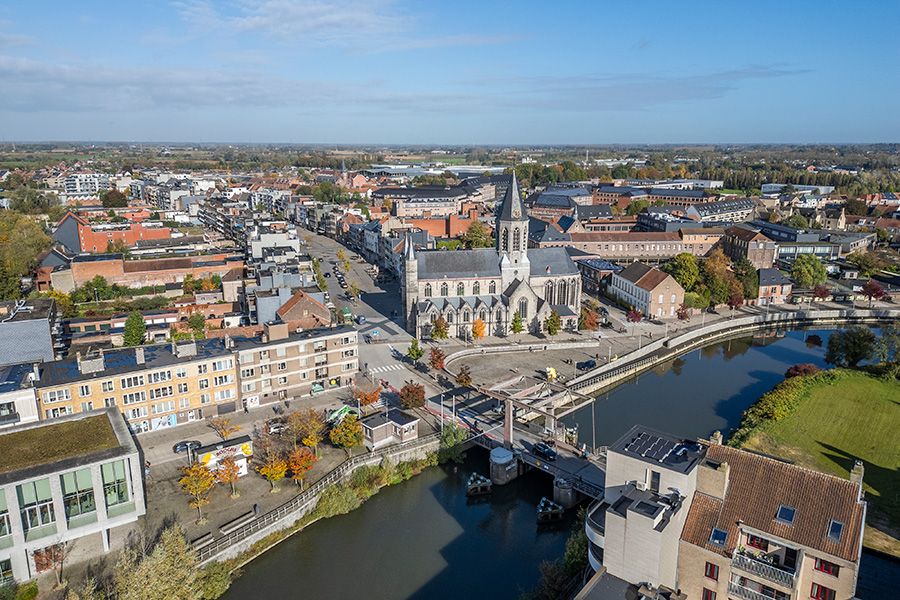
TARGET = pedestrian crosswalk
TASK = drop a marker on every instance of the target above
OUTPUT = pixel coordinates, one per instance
(467, 412)
(385, 368)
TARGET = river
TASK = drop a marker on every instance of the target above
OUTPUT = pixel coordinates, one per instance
(423, 539)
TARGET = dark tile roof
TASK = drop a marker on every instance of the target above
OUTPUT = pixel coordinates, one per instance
(512, 202)
(458, 264)
(773, 277)
(556, 259)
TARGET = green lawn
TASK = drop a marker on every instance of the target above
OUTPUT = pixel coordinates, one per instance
(857, 417)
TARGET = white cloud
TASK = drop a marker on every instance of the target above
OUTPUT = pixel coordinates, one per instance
(8, 40)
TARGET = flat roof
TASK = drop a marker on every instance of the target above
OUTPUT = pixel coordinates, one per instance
(54, 441)
(659, 448)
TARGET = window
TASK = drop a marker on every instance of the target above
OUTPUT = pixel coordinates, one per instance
(136, 413)
(203, 384)
(162, 407)
(181, 372)
(6, 574)
(282, 381)
(78, 493)
(223, 379)
(835, 529)
(428, 290)
(182, 388)
(108, 402)
(246, 359)
(654, 481)
(460, 289)
(5, 526)
(492, 287)
(350, 366)
(281, 351)
(159, 377)
(204, 398)
(223, 395)
(786, 514)
(86, 406)
(757, 542)
(161, 392)
(221, 365)
(134, 397)
(115, 483)
(445, 290)
(108, 386)
(523, 308)
(282, 366)
(466, 316)
(36, 504)
(84, 391)
(820, 592)
(712, 571)
(57, 396)
(708, 594)
(718, 537)
(133, 381)
(184, 403)
(248, 387)
(245, 373)
(58, 412)
(476, 288)
(204, 369)
(826, 567)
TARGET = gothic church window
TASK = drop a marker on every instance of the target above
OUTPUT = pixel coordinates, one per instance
(445, 290)
(523, 308)
(460, 289)
(476, 288)
(428, 290)
(492, 287)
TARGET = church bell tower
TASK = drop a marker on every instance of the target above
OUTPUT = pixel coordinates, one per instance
(512, 235)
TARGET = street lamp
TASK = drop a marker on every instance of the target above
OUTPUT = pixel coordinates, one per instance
(96, 296)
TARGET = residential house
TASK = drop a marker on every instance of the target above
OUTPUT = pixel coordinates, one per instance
(774, 287)
(649, 290)
(741, 242)
(381, 429)
(29, 331)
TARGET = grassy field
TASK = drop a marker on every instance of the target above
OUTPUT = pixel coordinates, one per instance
(857, 417)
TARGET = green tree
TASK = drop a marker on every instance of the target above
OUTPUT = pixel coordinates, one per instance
(135, 329)
(113, 199)
(797, 221)
(168, 571)
(807, 271)
(517, 326)
(636, 207)
(415, 352)
(452, 438)
(477, 236)
(746, 273)
(197, 322)
(849, 347)
(347, 434)
(685, 269)
(553, 323)
(856, 207)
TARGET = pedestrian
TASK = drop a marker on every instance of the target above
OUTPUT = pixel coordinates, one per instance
(147, 469)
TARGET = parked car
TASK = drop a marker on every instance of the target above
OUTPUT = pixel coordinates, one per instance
(326, 274)
(275, 426)
(183, 446)
(586, 365)
(543, 450)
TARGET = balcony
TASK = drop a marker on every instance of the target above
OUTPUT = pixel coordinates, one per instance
(763, 569)
(745, 593)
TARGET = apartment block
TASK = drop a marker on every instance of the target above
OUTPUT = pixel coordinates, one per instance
(649, 290)
(76, 479)
(714, 522)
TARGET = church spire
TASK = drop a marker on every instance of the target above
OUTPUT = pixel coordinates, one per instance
(512, 209)
(409, 249)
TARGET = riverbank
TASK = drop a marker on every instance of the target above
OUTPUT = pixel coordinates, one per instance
(828, 421)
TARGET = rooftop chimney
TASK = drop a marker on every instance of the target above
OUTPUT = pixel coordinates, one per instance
(716, 438)
(856, 476)
(139, 355)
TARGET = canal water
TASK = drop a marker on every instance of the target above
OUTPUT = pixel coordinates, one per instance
(423, 539)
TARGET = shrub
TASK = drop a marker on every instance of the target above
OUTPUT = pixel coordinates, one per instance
(404, 470)
(802, 370)
(336, 500)
(215, 579)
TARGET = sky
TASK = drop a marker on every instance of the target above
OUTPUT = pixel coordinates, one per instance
(460, 73)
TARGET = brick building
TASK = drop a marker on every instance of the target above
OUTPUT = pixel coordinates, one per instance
(649, 290)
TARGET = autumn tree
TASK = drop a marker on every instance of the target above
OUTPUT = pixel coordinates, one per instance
(436, 359)
(517, 326)
(223, 427)
(683, 313)
(168, 571)
(345, 266)
(347, 434)
(273, 468)
(229, 472)
(464, 377)
(367, 395)
(415, 352)
(553, 323)
(589, 320)
(196, 481)
(51, 557)
(478, 329)
(821, 292)
(341, 255)
(353, 289)
(301, 461)
(412, 395)
(305, 426)
(440, 328)
(735, 302)
(873, 291)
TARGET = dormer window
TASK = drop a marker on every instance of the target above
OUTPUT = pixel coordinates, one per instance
(718, 537)
(835, 529)
(786, 514)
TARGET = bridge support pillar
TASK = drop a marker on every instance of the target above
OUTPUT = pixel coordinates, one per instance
(564, 493)
(504, 466)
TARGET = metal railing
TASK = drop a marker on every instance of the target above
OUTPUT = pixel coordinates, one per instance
(745, 593)
(307, 496)
(763, 569)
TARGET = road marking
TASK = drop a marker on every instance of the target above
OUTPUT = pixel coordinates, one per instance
(394, 367)
(467, 412)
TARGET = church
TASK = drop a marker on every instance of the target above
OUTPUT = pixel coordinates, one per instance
(491, 284)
